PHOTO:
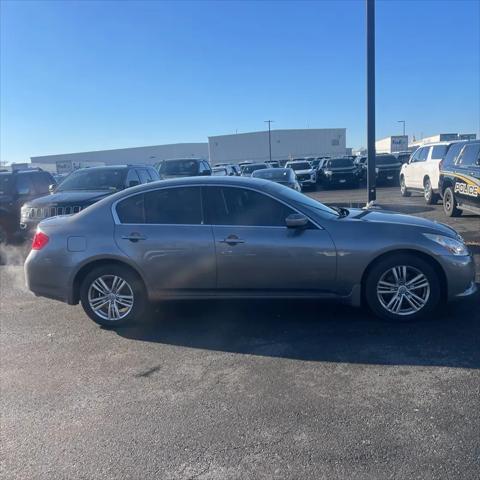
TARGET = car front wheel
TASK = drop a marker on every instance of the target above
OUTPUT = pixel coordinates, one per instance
(402, 288)
(450, 204)
(113, 296)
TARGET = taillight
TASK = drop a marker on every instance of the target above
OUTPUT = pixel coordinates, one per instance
(39, 240)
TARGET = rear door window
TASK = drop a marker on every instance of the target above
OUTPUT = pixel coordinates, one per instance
(174, 206)
(470, 155)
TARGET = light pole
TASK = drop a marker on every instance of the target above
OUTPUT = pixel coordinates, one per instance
(402, 121)
(269, 139)
(371, 180)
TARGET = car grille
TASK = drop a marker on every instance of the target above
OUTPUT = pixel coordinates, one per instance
(45, 212)
(304, 176)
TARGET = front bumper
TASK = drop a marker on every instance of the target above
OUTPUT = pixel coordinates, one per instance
(460, 275)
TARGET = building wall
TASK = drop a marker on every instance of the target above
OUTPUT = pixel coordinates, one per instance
(286, 144)
(443, 137)
(136, 155)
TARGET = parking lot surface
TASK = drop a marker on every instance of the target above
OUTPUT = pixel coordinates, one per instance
(244, 389)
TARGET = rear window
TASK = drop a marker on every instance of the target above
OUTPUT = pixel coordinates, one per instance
(5, 184)
(386, 160)
(179, 167)
(439, 151)
(340, 162)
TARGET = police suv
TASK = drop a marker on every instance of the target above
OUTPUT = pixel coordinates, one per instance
(459, 182)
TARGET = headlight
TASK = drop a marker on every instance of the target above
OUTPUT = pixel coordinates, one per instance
(455, 247)
(328, 173)
(376, 170)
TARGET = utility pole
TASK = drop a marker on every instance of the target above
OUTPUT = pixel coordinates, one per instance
(402, 121)
(371, 174)
(269, 139)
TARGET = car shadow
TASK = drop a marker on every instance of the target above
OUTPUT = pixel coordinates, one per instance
(316, 331)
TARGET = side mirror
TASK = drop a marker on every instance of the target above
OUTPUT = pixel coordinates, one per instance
(51, 188)
(296, 220)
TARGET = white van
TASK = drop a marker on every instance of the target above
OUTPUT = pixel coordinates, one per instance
(422, 171)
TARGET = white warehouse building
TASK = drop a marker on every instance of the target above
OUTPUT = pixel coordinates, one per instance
(121, 156)
(286, 144)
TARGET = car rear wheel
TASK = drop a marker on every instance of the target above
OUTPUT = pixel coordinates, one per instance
(403, 187)
(113, 296)
(428, 193)
(450, 204)
(402, 288)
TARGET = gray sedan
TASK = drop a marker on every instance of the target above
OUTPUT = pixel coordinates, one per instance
(232, 237)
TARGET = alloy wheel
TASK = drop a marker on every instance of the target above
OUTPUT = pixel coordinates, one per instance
(403, 290)
(110, 297)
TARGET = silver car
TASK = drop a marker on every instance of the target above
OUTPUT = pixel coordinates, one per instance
(233, 237)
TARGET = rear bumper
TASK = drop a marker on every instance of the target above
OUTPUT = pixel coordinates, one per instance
(45, 278)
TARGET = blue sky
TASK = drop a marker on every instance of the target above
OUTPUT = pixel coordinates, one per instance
(92, 75)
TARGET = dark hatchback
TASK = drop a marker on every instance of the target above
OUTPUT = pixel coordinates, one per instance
(339, 172)
(83, 188)
(387, 168)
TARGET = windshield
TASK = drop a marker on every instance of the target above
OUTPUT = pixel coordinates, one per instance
(340, 162)
(179, 167)
(94, 179)
(300, 166)
(252, 168)
(301, 199)
(275, 174)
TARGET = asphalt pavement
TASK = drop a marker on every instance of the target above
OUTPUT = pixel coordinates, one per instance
(239, 390)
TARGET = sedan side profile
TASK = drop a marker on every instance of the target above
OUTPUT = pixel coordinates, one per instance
(234, 237)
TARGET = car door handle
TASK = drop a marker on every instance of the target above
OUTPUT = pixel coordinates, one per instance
(232, 240)
(133, 237)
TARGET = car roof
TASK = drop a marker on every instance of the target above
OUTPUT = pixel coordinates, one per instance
(196, 159)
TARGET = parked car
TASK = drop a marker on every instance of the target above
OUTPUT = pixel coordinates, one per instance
(248, 168)
(16, 188)
(339, 172)
(183, 167)
(459, 182)
(83, 188)
(226, 170)
(422, 172)
(387, 169)
(273, 163)
(231, 237)
(283, 176)
(306, 173)
(361, 164)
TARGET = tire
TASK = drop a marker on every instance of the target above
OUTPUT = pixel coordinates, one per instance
(90, 296)
(403, 188)
(431, 198)
(380, 288)
(450, 203)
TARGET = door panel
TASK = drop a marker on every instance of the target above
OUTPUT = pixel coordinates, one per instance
(274, 258)
(171, 257)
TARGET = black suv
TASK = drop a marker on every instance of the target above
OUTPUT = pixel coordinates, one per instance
(387, 168)
(338, 172)
(459, 182)
(183, 167)
(82, 188)
(16, 188)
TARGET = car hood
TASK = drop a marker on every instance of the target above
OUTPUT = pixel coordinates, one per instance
(342, 169)
(394, 218)
(389, 166)
(303, 172)
(70, 198)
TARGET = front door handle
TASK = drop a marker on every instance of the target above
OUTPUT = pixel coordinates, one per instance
(134, 237)
(232, 240)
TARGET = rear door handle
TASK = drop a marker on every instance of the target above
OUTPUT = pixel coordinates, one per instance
(133, 237)
(232, 240)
